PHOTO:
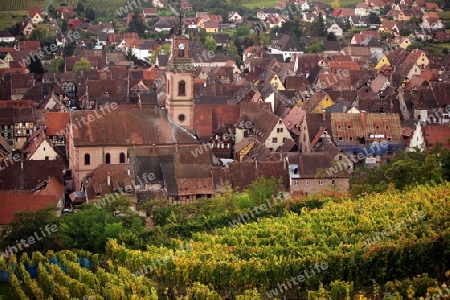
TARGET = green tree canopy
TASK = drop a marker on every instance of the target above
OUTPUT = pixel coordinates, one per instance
(35, 66)
(91, 227)
(57, 65)
(26, 223)
(82, 64)
(210, 43)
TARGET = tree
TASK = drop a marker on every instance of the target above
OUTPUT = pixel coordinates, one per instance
(315, 47)
(137, 25)
(80, 7)
(405, 32)
(25, 224)
(387, 8)
(90, 13)
(91, 227)
(233, 51)
(57, 65)
(82, 64)
(331, 36)
(210, 43)
(35, 66)
(52, 11)
(318, 27)
(262, 39)
(69, 49)
(263, 189)
(130, 55)
(374, 18)
(64, 25)
(44, 35)
(335, 4)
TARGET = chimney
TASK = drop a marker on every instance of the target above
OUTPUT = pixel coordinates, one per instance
(363, 116)
(108, 179)
(256, 163)
(324, 115)
(128, 171)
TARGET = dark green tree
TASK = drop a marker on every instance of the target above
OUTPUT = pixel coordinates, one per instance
(44, 35)
(57, 65)
(27, 224)
(52, 11)
(374, 18)
(137, 25)
(331, 36)
(130, 55)
(80, 7)
(90, 13)
(35, 66)
(91, 227)
(64, 25)
(69, 49)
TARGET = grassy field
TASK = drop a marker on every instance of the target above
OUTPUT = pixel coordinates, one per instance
(445, 15)
(9, 18)
(259, 3)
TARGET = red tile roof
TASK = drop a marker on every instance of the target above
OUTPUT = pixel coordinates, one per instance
(11, 203)
(29, 45)
(436, 134)
(35, 10)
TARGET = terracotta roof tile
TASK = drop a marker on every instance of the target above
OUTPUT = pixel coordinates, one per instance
(435, 135)
(11, 203)
(127, 127)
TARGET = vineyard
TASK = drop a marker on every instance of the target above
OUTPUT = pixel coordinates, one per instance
(100, 6)
(252, 259)
(21, 4)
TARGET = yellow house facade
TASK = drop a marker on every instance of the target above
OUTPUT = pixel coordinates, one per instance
(384, 61)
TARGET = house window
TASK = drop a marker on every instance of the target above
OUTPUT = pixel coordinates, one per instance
(107, 158)
(274, 140)
(284, 140)
(306, 183)
(279, 130)
(181, 117)
(87, 159)
(182, 88)
(296, 182)
(122, 158)
(320, 182)
(333, 181)
(47, 158)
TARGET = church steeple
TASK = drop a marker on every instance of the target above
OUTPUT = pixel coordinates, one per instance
(180, 84)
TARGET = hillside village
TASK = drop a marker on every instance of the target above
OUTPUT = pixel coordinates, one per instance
(178, 119)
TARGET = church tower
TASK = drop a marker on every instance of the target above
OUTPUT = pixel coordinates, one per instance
(180, 84)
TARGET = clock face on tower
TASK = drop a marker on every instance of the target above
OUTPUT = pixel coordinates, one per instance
(181, 46)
